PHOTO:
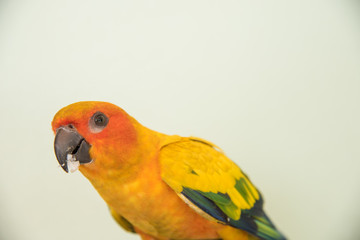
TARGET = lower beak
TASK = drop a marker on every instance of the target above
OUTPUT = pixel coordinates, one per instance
(71, 149)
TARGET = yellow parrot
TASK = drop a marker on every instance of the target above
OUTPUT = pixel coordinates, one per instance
(159, 186)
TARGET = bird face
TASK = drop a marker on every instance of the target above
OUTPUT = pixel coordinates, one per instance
(86, 130)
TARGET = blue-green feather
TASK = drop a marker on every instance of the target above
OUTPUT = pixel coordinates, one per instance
(204, 204)
(253, 221)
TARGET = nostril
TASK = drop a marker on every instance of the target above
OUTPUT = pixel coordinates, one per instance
(71, 126)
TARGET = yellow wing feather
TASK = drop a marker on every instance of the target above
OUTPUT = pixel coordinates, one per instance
(200, 165)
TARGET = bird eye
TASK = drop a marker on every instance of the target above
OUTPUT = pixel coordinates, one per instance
(98, 122)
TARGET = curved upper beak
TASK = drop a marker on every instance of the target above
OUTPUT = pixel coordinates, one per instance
(71, 149)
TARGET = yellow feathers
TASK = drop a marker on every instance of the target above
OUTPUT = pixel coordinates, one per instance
(197, 164)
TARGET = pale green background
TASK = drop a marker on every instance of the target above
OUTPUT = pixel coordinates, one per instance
(276, 84)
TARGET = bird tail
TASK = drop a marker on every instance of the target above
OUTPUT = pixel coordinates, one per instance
(266, 229)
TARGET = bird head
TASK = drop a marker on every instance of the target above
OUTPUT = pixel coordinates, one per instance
(93, 134)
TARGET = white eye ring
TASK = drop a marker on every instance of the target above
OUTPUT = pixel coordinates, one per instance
(98, 122)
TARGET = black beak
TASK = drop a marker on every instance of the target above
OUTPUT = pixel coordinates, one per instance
(70, 146)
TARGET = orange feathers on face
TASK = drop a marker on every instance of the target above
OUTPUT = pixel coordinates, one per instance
(79, 115)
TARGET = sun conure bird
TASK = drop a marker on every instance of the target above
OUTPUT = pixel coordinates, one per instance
(160, 186)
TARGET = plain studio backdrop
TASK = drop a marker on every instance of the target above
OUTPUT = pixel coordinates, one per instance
(276, 84)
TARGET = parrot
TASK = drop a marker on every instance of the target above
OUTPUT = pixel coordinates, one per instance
(159, 186)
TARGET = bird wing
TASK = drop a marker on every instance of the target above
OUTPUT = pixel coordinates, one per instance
(122, 221)
(214, 186)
